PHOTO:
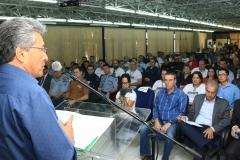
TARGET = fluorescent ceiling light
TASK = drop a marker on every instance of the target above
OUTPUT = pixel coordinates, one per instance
(182, 19)
(5, 18)
(51, 19)
(139, 25)
(151, 26)
(163, 27)
(121, 23)
(146, 13)
(46, 1)
(195, 21)
(78, 21)
(87, 5)
(188, 29)
(173, 28)
(165, 16)
(120, 9)
(102, 22)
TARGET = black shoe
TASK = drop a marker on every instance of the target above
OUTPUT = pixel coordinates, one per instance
(212, 148)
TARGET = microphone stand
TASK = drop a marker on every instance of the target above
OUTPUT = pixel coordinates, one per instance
(153, 129)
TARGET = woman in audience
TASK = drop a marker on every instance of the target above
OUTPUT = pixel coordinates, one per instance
(232, 150)
(207, 61)
(159, 84)
(192, 63)
(185, 76)
(216, 64)
(210, 76)
(196, 87)
(126, 96)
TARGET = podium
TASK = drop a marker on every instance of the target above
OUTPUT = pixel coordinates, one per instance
(119, 135)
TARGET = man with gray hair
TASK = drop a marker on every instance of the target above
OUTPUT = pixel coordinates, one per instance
(212, 114)
(29, 126)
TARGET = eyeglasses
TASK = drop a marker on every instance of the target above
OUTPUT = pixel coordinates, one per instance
(42, 49)
(219, 75)
(125, 82)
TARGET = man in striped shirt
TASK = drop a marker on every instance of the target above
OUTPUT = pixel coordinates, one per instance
(170, 103)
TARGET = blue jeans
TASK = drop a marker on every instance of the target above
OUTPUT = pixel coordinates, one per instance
(145, 146)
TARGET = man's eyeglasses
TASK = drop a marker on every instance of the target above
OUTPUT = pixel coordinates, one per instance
(220, 75)
(42, 49)
(125, 82)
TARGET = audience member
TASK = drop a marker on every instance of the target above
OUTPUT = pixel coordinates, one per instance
(216, 64)
(151, 74)
(92, 77)
(84, 68)
(227, 90)
(148, 64)
(192, 63)
(50, 70)
(207, 60)
(212, 75)
(140, 64)
(236, 81)
(93, 62)
(194, 88)
(227, 58)
(126, 97)
(116, 70)
(126, 63)
(184, 58)
(178, 64)
(99, 71)
(174, 102)
(201, 68)
(167, 65)
(160, 58)
(223, 64)
(135, 75)
(234, 68)
(232, 150)
(73, 65)
(159, 84)
(185, 76)
(59, 83)
(83, 60)
(212, 113)
(45, 80)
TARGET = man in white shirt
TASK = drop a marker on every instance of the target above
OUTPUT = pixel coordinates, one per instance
(201, 68)
(184, 58)
(159, 58)
(99, 71)
(135, 76)
(116, 70)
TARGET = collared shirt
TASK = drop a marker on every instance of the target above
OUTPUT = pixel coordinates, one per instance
(191, 92)
(230, 92)
(108, 83)
(158, 85)
(231, 76)
(141, 67)
(118, 72)
(94, 79)
(160, 61)
(206, 112)
(134, 76)
(99, 72)
(148, 65)
(29, 127)
(76, 90)
(59, 85)
(204, 73)
(126, 66)
(95, 65)
(168, 107)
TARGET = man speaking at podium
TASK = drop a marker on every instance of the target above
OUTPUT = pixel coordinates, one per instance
(29, 127)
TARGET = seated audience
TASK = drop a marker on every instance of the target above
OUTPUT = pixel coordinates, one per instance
(135, 75)
(236, 81)
(201, 68)
(126, 97)
(148, 64)
(207, 60)
(160, 58)
(212, 75)
(167, 65)
(234, 68)
(45, 80)
(232, 150)
(192, 62)
(121, 65)
(159, 84)
(174, 101)
(59, 83)
(151, 74)
(126, 63)
(92, 77)
(216, 64)
(141, 64)
(223, 64)
(184, 58)
(212, 113)
(178, 64)
(196, 87)
(93, 62)
(185, 76)
(108, 86)
(116, 70)
(84, 68)
(99, 71)
(227, 90)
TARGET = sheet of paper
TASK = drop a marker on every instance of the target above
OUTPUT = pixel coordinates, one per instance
(193, 123)
(86, 128)
(143, 89)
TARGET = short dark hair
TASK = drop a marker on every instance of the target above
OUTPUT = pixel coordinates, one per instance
(84, 57)
(85, 62)
(125, 75)
(116, 60)
(223, 60)
(46, 67)
(199, 75)
(153, 59)
(78, 67)
(101, 60)
(224, 69)
(74, 64)
(214, 70)
(90, 65)
(106, 64)
(171, 73)
(92, 57)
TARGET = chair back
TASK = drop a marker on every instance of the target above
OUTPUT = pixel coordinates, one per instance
(144, 100)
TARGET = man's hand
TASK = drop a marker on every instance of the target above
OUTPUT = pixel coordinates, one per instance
(70, 103)
(181, 118)
(208, 133)
(157, 124)
(165, 127)
(107, 95)
(67, 127)
(147, 79)
(233, 131)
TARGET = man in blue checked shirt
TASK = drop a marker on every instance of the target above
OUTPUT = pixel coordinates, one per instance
(170, 103)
